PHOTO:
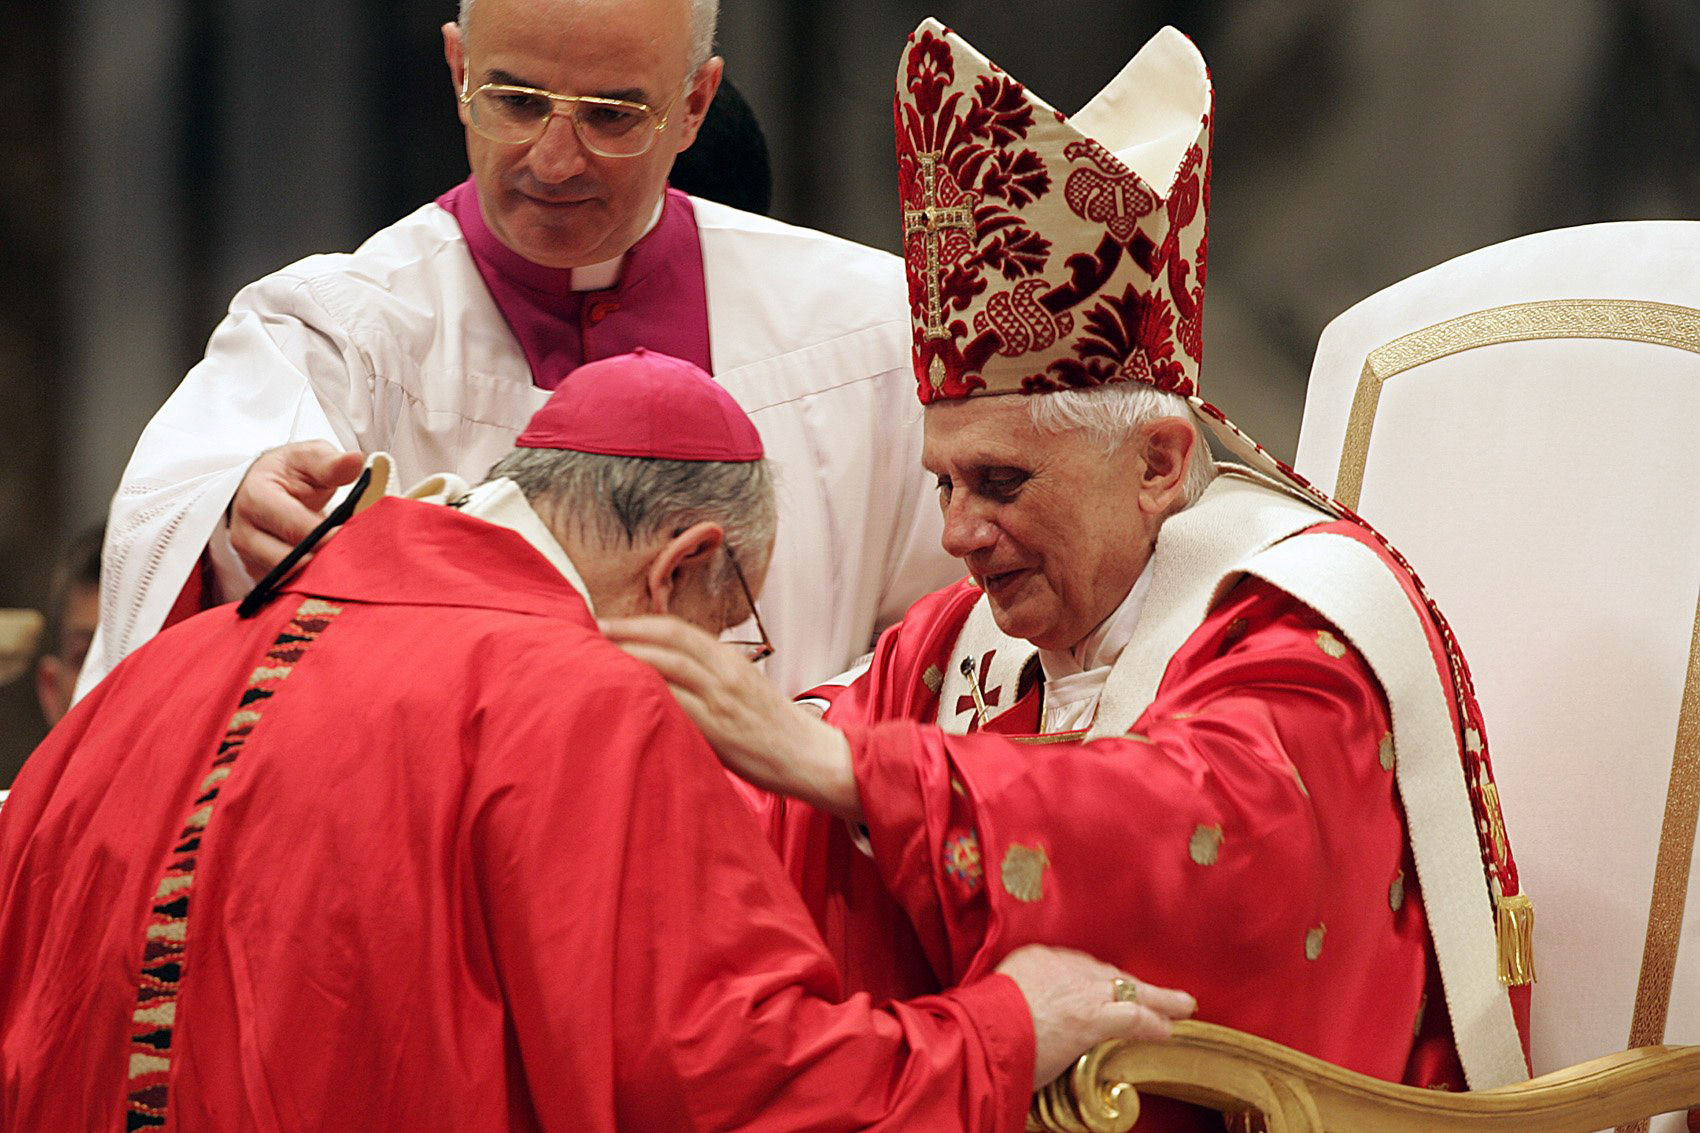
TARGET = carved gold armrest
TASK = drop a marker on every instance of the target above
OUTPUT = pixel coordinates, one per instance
(1237, 1073)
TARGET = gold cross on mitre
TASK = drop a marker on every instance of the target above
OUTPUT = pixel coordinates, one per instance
(931, 221)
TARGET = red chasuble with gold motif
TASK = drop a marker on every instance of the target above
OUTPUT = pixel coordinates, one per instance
(1245, 842)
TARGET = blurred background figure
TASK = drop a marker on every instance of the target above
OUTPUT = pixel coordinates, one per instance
(728, 163)
(53, 642)
(73, 607)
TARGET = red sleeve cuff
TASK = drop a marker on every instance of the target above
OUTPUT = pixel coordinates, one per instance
(884, 759)
(1000, 1015)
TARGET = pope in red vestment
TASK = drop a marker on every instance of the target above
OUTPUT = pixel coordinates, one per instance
(414, 847)
(1210, 729)
(1244, 840)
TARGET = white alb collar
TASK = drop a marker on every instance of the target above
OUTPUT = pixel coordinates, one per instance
(602, 276)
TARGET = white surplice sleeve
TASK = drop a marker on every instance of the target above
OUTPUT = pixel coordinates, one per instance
(263, 382)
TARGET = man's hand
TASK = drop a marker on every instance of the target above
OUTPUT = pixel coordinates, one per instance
(1072, 997)
(282, 498)
(758, 734)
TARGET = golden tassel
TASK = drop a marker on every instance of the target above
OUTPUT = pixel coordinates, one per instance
(1516, 940)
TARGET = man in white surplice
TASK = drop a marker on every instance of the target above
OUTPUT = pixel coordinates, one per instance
(438, 338)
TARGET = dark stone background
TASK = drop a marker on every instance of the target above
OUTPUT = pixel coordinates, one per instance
(160, 153)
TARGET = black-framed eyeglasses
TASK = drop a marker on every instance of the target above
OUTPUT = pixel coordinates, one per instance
(608, 127)
(757, 650)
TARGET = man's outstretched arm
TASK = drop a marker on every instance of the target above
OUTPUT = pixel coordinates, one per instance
(262, 385)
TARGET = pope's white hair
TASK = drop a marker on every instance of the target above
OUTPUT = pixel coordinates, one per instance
(613, 501)
(705, 15)
(1110, 414)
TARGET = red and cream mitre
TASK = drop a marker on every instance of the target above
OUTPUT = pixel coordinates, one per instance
(1046, 252)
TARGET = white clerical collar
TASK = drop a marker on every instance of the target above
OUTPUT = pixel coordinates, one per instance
(602, 276)
(1100, 648)
(501, 502)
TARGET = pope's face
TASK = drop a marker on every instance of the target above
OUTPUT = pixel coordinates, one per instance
(552, 200)
(1047, 523)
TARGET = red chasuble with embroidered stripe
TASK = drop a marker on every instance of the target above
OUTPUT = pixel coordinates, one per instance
(1245, 842)
(415, 848)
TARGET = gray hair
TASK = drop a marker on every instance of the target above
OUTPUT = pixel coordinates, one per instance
(705, 16)
(621, 500)
(1110, 414)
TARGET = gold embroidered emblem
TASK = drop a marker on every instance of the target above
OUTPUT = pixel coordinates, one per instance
(936, 374)
(933, 678)
(144, 1064)
(1024, 872)
(1386, 752)
(171, 884)
(1396, 892)
(1206, 844)
(1313, 941)
(930, 222)
(1495, 820)
(1330, 644)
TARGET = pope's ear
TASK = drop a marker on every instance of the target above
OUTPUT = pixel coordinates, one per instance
(686, 556)
(1169, 445)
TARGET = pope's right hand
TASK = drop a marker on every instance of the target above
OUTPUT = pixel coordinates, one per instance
(759, 734)
(1076, 1005)
(282, 498)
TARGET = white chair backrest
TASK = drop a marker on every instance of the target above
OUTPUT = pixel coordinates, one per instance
(1521, 423)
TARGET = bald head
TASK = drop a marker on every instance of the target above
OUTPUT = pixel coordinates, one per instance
(553, 199)
(704, 17)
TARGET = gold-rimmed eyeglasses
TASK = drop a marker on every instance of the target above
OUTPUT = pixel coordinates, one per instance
(608, 127)
(757, 650)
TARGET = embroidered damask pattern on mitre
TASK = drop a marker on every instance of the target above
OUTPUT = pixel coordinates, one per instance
(1107, 191)
(995, 308)
(165, 948)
